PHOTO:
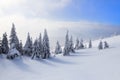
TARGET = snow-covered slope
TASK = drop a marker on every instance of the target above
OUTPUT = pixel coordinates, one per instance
(86, 64)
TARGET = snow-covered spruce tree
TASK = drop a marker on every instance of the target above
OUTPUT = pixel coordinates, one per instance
(13, 38)
(40, 45)
(106, 45)
(28, 46)
(46, 48)
(90, 44)
(35, 53)
(14, 44)
(0, 46)
(67, 46)
(13, 52)
(21, 47)
(5, 47)
(77, 44)
(100, 46)
(71, 45)
(81, 45)
(58, 48)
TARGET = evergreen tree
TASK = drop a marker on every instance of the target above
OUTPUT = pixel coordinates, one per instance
(35, 50)
(106, 45)
(46, 48)
(100, 46)
(67, 46)
(77, 44)
(71, 45)
(90, 44)
(21, 47)
(40, 45)
(81, 45)
(5, 47)
(0, 46)
(28, 46)
(58, 48)
(14, 42)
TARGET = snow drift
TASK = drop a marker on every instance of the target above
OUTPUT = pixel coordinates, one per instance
(85, 64)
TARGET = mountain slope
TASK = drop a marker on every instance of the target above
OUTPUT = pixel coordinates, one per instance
(86, 64)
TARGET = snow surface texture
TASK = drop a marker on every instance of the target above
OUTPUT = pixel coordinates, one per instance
(13, 51)
(85, 64)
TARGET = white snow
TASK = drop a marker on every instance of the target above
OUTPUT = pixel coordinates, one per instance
(14, 51)
(85, 64)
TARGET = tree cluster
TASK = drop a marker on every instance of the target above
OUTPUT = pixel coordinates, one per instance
(40, 47)
(103, 45)
(13, 47)
(68, 47)
(79, 44)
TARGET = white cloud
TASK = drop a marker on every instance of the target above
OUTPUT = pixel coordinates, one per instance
(9, 3)
(32, 7)
(44, 7)
(55, 28)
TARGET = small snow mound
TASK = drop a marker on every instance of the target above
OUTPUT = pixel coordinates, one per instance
(14, 51)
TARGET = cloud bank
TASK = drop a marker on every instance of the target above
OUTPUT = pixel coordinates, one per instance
(32, 7)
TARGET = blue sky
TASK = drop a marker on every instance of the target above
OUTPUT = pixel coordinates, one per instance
(103, 11)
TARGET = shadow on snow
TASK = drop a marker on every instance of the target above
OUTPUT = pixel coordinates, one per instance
(21, 65)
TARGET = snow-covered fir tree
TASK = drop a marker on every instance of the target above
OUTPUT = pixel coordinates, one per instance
(0, 46)
(28, 46)
(58, 48)
(40, 45)
(14, 45)
(67, 45)
(81, 45)
(77, 44)
(106, 45)
(90, 44)
(46, 47)
(21, 47)
(13, 53)
(35, 53)
(71, 45)
(13, 38)
(100, 46)
(5, 47)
